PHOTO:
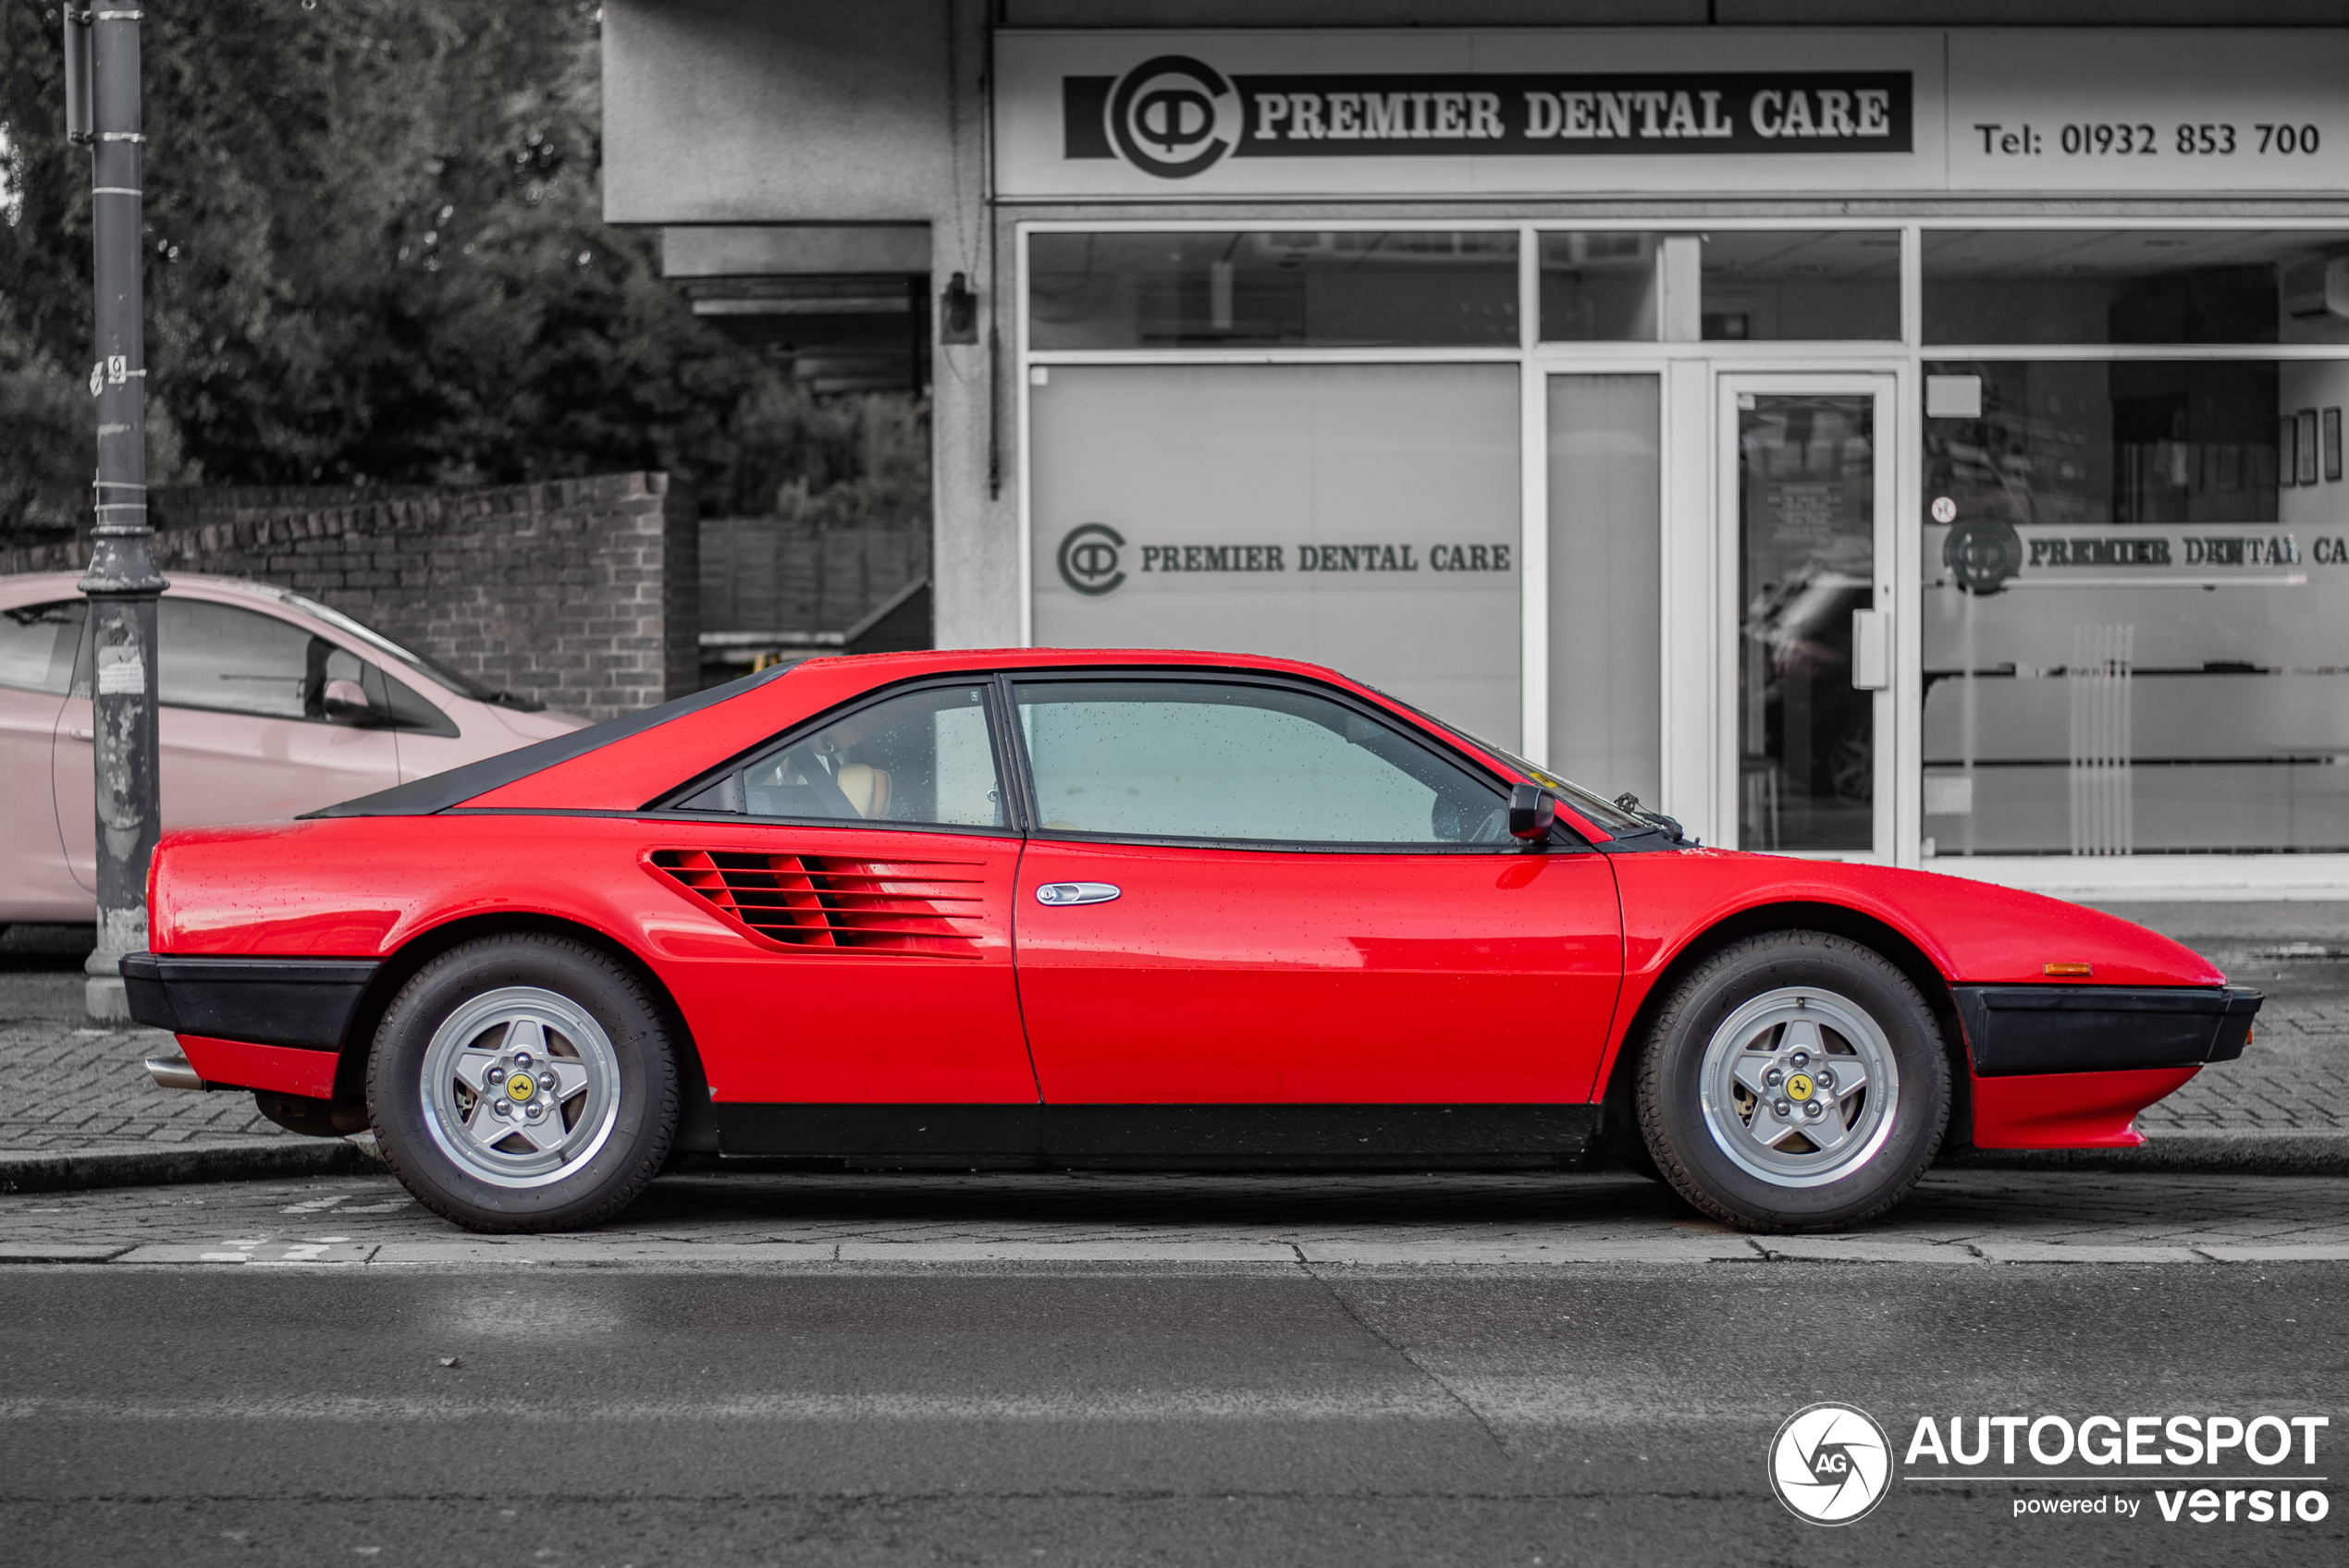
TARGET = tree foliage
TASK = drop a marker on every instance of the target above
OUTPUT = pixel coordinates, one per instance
(375, 254)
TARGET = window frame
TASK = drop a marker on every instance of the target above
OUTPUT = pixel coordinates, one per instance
(1563, 838)
(668, 805)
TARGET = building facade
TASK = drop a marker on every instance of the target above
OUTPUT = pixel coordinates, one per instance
(1919, 442)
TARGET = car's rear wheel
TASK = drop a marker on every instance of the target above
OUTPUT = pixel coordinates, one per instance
(523, 1083)
(1794, 1080)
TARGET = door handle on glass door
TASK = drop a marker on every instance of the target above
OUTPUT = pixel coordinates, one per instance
(1871, 650)
(1058, 893)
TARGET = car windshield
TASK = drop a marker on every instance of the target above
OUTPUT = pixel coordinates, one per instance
(1594, 807)
(464, 686)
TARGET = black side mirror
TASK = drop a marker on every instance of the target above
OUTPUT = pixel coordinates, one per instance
(1531, 811)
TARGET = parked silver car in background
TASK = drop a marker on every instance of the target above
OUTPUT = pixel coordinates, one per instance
(271, 704)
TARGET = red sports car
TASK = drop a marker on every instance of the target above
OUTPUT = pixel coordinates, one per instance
(1087, 909)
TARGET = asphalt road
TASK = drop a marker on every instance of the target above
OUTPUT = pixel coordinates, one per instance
(1244, 1415)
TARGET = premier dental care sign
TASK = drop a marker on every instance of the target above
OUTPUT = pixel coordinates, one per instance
(1338, 114)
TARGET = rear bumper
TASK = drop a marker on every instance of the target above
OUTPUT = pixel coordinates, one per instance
(2014, 1031)
(297, 1003)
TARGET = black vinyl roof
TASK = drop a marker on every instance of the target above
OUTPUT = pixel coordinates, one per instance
(422, 797)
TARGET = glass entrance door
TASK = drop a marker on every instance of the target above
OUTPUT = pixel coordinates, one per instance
(1807, 504)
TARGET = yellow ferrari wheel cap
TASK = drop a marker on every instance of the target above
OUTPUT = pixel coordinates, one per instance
(1798, 1087)
(522, 1085)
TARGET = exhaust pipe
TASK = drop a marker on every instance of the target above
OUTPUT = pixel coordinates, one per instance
(174, 1072)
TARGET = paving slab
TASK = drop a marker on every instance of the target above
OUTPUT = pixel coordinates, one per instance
(1864, 1249)
(59, 1252)
(1090, 1250)
(2226, 1251)
(1996, 1251)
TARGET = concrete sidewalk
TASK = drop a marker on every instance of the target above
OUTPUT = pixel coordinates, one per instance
(77, 1109)
(1539, 1219)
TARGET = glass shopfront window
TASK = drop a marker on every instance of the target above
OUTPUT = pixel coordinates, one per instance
(1606, 581)
(1365, 517)
(1733, 285)
(1347, 289)
(1601, 287)
(2135, 286)
(1781, 287)
(2133, 635)
(2136, 606)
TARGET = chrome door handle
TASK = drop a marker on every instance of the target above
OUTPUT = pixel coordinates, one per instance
(1058, 893)
(76, 732)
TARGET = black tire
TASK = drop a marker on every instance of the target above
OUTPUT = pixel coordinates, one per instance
(635, 1064)
(1739, 984)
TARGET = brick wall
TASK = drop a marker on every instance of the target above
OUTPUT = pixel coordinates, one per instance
(581, 592)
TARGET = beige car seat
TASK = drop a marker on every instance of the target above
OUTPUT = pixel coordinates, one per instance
(867, 788)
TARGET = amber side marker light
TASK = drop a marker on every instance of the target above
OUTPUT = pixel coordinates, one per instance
(2068, 971)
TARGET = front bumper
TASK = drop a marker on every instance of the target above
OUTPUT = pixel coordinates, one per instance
(2013, 1030)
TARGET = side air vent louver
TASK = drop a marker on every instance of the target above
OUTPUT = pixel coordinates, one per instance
(821, 901)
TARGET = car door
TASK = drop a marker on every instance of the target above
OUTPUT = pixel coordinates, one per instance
(245, 733)
(853, 886)
(37, 646)
(1261, 892)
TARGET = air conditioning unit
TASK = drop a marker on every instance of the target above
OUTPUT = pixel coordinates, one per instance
(2317, 288)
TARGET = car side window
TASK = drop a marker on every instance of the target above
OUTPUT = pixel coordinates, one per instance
(38, 644)
(921, 758)
(1198, 759)
(233, 661)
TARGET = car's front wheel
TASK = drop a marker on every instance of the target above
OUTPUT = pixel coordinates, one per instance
(523, 1083)
(1794, 1080)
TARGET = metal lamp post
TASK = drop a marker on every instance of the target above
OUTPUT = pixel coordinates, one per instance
(122, 584)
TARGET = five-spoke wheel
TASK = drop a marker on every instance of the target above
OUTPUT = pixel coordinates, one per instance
(1797, 1083)
(523, 1083)
(1794, 1081)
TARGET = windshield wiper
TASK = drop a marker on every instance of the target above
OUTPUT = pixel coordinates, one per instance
(1667, 826)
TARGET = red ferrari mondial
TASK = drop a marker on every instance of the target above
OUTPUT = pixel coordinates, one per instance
(1060, 909)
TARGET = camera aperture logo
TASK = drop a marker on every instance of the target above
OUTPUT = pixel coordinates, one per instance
(1830, 1464)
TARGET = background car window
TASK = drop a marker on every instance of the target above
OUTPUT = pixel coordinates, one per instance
(1202, 760)
(395, 704)
(38, 644)
(220, 657)
(923, 757)
(234, 660)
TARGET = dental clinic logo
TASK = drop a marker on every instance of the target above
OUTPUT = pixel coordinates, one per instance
(1830, 1464)
(1174, 116)
(1089, 558)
